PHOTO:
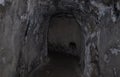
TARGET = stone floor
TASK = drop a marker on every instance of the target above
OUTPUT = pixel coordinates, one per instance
(60, 65)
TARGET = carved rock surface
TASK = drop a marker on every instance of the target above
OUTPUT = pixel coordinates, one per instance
(24, 26)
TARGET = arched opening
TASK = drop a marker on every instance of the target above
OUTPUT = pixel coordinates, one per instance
(65, 35)
(72, 45)
(65, 44)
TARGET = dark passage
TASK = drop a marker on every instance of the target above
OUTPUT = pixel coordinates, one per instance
(64, 43)
(60, 65)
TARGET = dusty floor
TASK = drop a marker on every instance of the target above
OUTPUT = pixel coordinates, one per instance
(60, 65)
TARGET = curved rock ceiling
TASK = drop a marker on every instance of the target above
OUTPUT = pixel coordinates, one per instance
(23, 35)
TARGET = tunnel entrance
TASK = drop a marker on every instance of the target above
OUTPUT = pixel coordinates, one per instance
(65, 35)
(65, 45)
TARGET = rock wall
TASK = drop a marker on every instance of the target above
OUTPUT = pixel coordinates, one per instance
(23, 35)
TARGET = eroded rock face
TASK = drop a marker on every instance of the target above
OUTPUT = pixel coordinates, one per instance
(23, 35)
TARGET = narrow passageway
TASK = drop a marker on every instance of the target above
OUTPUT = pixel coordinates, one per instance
(64, 46)
(60, 65)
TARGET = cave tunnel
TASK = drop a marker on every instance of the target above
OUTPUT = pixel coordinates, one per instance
(59, 38)
(64, 35)
(65, 46)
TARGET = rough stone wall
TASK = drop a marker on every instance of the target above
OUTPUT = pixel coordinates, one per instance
(109, 47)
(11, 32)
(23, 34)
(20, 49)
